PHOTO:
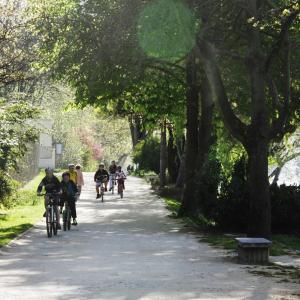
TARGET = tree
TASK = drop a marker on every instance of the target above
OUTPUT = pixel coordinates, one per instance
(257, 35)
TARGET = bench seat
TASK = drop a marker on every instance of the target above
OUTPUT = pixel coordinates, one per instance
(253, 250)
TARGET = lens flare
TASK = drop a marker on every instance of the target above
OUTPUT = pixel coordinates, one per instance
(167, 30)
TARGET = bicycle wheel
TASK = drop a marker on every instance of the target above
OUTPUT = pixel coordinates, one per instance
(102, 197)
(121, 194)
(48, 222)
(54, 220)
(64, 220)
(69, 219)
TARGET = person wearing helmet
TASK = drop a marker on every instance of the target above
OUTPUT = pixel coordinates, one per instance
(69, 193)
(52, 186)
(101, 176)
(73, 173)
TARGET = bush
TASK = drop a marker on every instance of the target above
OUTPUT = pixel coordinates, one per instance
(7, 187)
(147, 155)
(230, 211)
(285, 209)
(207, 187)
(232, 207)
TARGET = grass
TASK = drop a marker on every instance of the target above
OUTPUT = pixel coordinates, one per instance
(24, 215)
(282, 244)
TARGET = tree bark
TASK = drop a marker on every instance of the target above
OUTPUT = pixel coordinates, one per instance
(189, 201)
(206, 123)
(137, 133)
(259, 191)
(172, 155)
(163, 155)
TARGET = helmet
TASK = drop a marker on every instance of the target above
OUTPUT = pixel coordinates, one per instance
(101, 165)
(71, 165)
(49, 170)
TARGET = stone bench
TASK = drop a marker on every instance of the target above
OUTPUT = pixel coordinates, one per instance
(253, 250)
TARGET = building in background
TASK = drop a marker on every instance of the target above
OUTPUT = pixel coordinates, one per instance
(46, 145)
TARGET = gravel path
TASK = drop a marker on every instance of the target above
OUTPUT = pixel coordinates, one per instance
(126, 250)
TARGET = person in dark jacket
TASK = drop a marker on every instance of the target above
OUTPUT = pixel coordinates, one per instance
(69, 193)
(52, 186)
(101, 176)
(112, 174)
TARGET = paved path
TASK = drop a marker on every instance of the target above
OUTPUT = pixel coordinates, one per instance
(126, 250)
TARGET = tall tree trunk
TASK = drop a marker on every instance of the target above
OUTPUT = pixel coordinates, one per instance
(172, 155)
(163, 155)
(189, 201)
(205, 135)
(259, 190)
(136, 130)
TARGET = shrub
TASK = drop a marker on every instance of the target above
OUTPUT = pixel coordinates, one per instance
(7, 187)
(147, 154)
(207, 187)
(285, 208)
(232, 208)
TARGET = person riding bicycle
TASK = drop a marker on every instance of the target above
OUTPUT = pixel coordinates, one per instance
(120, 176)
(73, 173)
(112, 174)
(69, 192)
(101, 176)
(52, 186)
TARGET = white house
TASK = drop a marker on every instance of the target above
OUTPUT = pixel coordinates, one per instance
(47, 148)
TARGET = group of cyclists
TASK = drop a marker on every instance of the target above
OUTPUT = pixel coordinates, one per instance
(69, 188)
(114, 174)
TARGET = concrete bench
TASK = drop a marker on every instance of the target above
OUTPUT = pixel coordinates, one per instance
(253, 250)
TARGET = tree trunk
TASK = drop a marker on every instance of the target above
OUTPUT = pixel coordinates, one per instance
(206, 123)
(136, 130)
(189, 201)
(181, 172)
(172, 155)
(163, 155)
(259, 190)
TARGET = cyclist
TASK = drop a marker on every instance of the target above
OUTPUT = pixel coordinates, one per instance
(73, 173)
(52, 186)
(69, 192)
(120, 176)
(80, 180)
(101, 176)
(112, 174)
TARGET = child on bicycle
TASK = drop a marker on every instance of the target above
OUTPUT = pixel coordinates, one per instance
(69, 193)
(101, 176)
(120, 176)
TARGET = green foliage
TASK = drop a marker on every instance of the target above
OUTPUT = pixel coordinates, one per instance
(14, 136)
(147, 154)
(231, 211)
(22, 211)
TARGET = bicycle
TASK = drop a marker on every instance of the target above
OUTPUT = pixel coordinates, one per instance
(102, 181)
(113, 182)
(51, 214)
(121, 187)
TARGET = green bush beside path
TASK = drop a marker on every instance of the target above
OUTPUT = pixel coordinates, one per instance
(28, 209)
